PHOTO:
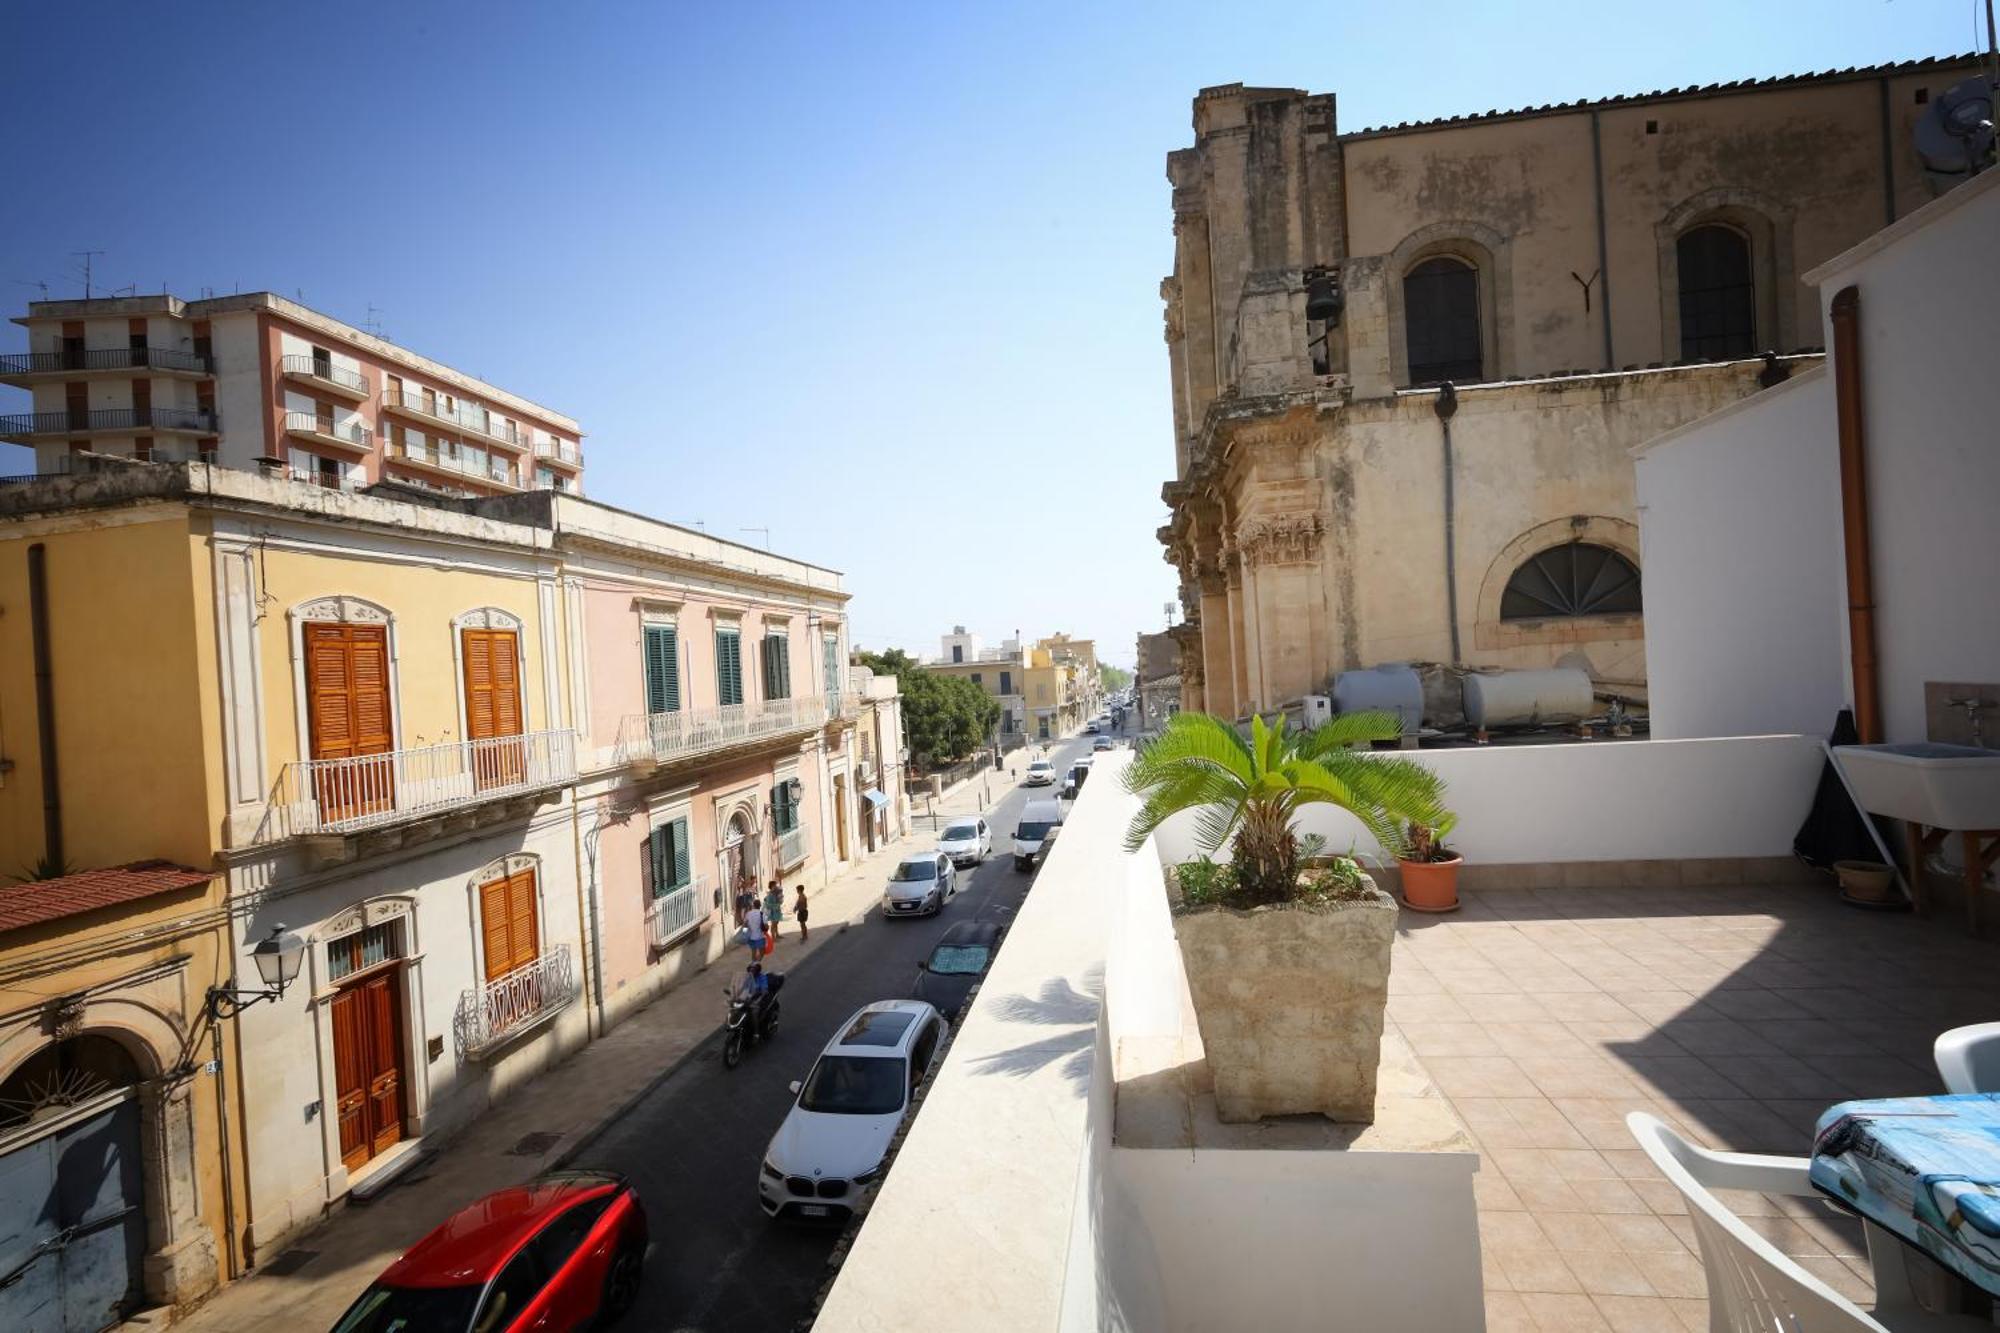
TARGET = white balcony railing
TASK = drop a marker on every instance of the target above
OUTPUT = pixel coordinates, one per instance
(507, 1006)
(561, 451)
(791, 847)
(664, 737)
(364, 791)
(674, 914)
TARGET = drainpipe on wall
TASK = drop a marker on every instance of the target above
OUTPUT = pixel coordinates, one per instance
(45, 706)
(1445, 406)
(1846, 315)
(594, 959)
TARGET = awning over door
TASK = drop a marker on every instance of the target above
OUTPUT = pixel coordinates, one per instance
(876, 800)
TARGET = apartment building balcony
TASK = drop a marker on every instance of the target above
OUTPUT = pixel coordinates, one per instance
(673, 915)
(322, 376)
(26, 368)
(428, 412)
(491, 1015)
(26, 427)
(434, 461)
(652, 739)
(309, 428)
(339, 798)
(559, 452)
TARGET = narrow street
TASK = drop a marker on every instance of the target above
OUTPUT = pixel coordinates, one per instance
(693, 1145)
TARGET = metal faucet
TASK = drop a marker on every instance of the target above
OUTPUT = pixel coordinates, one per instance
(1973, 706)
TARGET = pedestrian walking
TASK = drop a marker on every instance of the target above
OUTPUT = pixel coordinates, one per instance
(799, 911)
(774, 908)
(753, 926)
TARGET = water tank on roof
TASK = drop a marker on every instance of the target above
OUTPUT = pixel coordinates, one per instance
(1394, 688)
(1528, 698)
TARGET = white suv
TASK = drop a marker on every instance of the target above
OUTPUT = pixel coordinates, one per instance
(1041, 773)
(966, 841)
(849, 1108)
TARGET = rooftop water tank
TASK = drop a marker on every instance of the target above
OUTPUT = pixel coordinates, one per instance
(1528, 698)
(1394, 688)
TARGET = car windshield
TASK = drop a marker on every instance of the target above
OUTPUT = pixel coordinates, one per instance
(916, 870)
(1041, 766)
(959, 960)
(1032, 830)
(961, 833)
(409, 1309)
(853, 1085)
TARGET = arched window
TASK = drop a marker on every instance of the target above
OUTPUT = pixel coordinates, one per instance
(1718, 293)
(1441, 317)
(64, 1074)
(1575, 579)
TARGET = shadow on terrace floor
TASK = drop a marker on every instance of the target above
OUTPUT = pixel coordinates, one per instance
(1736, 1014)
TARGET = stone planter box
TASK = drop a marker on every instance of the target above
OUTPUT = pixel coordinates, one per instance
(1290, 1001)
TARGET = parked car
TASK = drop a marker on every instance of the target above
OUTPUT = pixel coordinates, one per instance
(962, 957)
(1103, 743)
(563, 1251)
(1039, 822)
(920, 886)
(966, 841)
(1041, 773)
(1091, 726)
(835, 1138)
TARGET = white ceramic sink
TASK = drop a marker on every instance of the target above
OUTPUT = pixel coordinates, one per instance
(1944, 786)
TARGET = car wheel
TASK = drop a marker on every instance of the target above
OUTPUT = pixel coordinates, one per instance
(621, 1285)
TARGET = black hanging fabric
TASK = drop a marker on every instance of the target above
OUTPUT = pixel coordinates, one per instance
(1833, 830)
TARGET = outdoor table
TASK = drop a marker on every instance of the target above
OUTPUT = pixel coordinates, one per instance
(1924, 1170)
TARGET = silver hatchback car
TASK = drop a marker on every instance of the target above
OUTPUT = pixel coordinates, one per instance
(921, 885)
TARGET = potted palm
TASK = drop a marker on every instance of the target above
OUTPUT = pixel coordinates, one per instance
(1428, 867)
(1287, 963)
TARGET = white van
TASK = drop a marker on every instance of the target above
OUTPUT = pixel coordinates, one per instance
(1037, 829)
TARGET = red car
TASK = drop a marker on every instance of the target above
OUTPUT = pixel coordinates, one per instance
(562, 1251)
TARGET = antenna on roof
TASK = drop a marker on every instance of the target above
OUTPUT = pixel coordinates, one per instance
(373, 321)
(765, 531)
(22, 282)
(86, 256)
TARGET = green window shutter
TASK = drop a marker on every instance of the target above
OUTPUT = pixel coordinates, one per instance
(729, 666)
(830, 659)
(656, 862)
(679, 829)
(777, 667)
(663, 669)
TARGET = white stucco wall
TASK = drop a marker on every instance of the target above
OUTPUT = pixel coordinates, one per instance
(1930, 290)
(1740, 534)
(1683, 800)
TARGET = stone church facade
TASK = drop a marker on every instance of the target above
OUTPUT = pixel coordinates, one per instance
(1409, 363)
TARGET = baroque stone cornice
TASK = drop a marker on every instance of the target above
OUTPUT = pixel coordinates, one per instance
(1280, 539)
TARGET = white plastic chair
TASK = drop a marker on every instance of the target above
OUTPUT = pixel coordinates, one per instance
(1752, 1287)
(1968, 1058)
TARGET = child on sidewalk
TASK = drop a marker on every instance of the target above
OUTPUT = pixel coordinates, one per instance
(799, 910)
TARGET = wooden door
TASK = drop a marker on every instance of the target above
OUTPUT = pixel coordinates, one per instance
(142, 403)
(493, 706)
(323, 418)
(76, 398)
(509, 923)
(347, 713)
(368, 1066)
(350, 1077)
(384, 1030)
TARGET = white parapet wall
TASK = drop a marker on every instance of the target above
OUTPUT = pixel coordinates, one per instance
(1012, 1161)
(1727, 798)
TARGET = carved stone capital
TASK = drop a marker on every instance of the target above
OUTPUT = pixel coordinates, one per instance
(1282, 539)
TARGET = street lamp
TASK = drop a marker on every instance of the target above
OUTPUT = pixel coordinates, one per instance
(278, 956)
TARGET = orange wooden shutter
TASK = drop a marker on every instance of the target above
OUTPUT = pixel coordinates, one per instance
(478, 652)
(495, 928)
(526, 922)
(329, 700)
(506, 682)
(369, 663)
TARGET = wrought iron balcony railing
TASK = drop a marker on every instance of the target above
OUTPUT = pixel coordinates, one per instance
(354, 435)
(666, 737)
(105, 358)
(301, 364)
(357, 792)
(494, 470)
(490, 1015)
(675, 913)
(462, 420)
(135, 419)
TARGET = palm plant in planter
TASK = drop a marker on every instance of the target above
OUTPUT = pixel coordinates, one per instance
(1288, 965)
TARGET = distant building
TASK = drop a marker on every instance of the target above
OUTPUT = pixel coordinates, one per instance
(259, 382)
(1156, 679)
(1409, 362)
(1001, 672)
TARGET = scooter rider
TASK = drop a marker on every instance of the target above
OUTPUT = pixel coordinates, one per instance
(753, 990)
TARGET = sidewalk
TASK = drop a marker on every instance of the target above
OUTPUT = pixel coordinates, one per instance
(568, 1104)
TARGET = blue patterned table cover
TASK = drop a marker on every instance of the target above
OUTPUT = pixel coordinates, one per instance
(1926, 1169)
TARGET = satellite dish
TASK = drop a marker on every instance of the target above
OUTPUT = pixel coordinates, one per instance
(1955, 134)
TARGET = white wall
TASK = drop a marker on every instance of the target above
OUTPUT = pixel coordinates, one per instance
(1930, 290)
(1602, 801)
(1740, 533)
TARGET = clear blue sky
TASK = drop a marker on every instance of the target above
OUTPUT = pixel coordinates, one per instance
(881, 278)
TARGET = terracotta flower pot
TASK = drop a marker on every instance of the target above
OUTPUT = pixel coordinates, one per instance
(1431, 886)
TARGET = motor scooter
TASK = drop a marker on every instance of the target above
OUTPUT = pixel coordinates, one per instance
(750, 1020)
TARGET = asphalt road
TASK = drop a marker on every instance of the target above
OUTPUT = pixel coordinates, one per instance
(693, 1145)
